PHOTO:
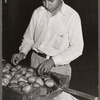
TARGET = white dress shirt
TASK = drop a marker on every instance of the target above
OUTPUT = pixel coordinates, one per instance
(59, 36)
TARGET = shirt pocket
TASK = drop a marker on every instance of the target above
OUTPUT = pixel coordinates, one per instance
(58, 41)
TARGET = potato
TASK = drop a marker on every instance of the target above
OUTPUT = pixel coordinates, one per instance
(27, 88)
(13, 85)
(14, 80)
(8, 66)
(36, 85)
(13, 73)
(18, 75)
(39, 81)
(9, 76)
(5, 70)
(22, 83)
(31, 79)
(23, 69)
(28, 74)
(22, 79)
(3, 83)
(30, 70)
(49, 83)
(18, 67)
(46, 78)
(23, 72)
(3, 62)
(5, 80)
(13, 69)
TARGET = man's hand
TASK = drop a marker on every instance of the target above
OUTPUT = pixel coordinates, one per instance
(16, 58)
(45, 66)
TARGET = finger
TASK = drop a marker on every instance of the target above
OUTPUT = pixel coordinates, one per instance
(18, 59)
(45, 69)
(49, 68)
(14, 59)
(39, 69)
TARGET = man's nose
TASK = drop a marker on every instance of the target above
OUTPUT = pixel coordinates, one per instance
(47, 4)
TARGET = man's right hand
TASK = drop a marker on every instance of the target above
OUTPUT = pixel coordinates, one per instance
(16, 58)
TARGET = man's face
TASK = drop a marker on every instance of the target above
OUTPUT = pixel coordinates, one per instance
(51, 5)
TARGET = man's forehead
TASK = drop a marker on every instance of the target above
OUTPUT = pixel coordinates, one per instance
(49, 0)
(52, 0)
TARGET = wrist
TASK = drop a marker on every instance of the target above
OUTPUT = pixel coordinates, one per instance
(23, 55)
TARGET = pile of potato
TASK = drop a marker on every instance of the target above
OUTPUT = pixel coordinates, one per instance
(24, 79)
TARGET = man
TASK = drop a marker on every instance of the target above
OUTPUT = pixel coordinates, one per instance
(55, 36)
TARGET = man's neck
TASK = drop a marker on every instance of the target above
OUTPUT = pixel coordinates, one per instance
(57, 9)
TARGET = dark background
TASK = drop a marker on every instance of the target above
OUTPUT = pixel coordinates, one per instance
(16, 17)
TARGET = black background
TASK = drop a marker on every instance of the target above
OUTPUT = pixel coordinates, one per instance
(16, 17)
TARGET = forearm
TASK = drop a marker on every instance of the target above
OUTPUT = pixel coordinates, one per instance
(25, 47)
(28, 41)
(67, 56)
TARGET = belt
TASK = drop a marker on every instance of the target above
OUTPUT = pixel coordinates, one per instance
(40, 54)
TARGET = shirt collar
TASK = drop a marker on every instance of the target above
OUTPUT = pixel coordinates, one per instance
(62, 10)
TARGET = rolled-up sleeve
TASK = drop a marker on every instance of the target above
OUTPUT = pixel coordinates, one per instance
(27, 40)
(76, 43)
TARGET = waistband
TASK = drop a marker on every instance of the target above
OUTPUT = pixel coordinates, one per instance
(40, 54)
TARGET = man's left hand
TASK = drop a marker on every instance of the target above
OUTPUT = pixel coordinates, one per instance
(45, 66)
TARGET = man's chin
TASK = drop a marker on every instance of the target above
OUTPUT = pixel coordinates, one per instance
(50, 10)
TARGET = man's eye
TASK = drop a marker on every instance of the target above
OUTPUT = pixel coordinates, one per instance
(52, 0)
(48, 0)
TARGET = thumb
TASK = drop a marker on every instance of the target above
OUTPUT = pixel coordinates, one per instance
(18, 60)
